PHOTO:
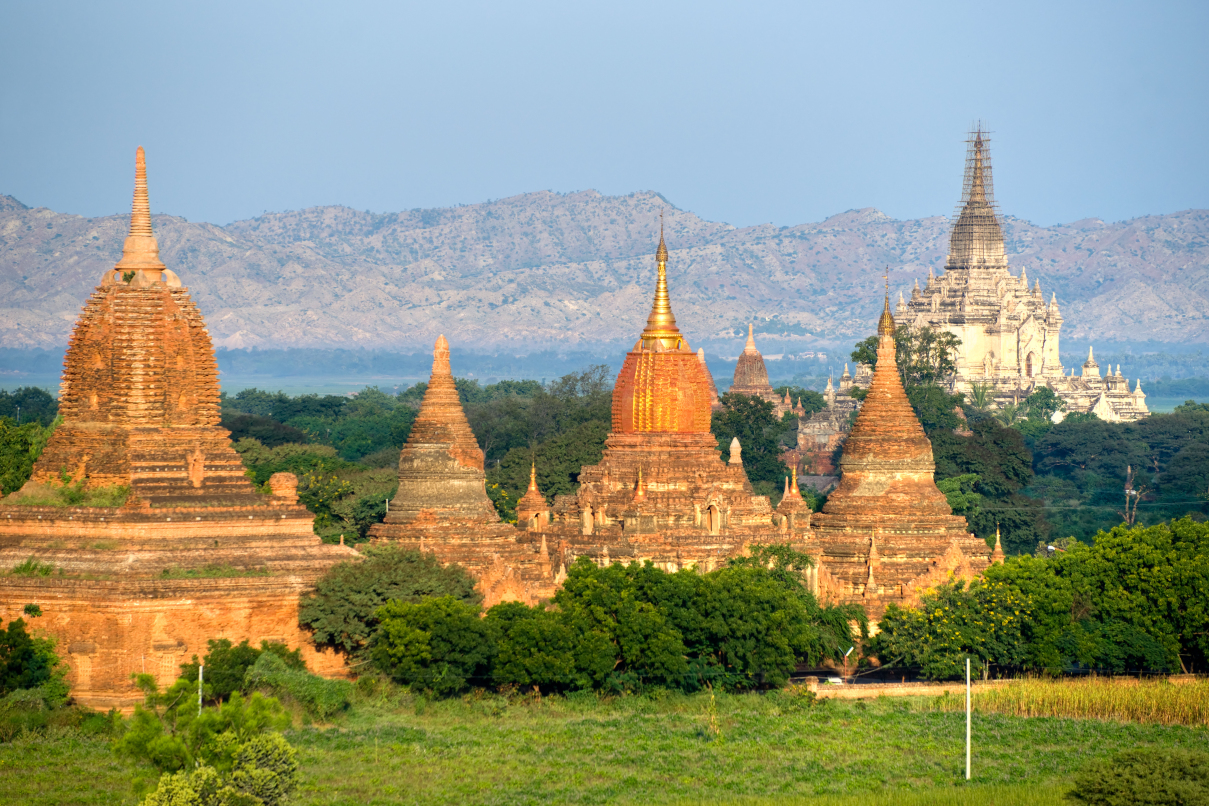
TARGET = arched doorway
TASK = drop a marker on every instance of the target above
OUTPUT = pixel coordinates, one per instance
(714, 519)
(1030, 364)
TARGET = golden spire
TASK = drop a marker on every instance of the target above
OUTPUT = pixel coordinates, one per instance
(141, 252)
(533, 477)
(885, 325)
(661, 332)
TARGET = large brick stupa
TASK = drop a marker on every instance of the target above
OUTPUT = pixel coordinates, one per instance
(886, 532)
(195, 552)
(661, 492)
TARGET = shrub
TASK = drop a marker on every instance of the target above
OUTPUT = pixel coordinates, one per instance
(438, 644)
(29, 663)
(264, 773)
(320, 697)
(1145, 777)
(534, 647)
(227, 665)
(342, 611)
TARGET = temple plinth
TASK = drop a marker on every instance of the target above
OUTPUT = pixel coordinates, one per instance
(196, 552)
(887, 520)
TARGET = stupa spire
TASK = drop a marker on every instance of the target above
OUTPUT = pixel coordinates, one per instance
(661, 332)
(750, 347)
(140, 252)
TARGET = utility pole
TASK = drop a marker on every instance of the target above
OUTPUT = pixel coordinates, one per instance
(201, 673)
(967, 717)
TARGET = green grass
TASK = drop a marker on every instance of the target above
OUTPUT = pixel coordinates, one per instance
(68, 495)
(773, 749)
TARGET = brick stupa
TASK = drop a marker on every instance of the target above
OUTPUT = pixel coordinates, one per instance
(886, 532)
(751, 376)
(196, 552)
(661, 491)
(442, 504)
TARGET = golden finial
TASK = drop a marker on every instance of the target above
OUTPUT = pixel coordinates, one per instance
(140, 252)
(661, 252)
(533, 477)
(661, 332)
(885, 325)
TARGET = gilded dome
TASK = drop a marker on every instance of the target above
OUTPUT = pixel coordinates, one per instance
(661, 387)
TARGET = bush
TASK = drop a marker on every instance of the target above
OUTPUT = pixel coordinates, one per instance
(1145, 777)
(342, 611)
(28, 663)
(227, 665)
(264, 772)
(438, 644)
(625, 628)
(318, 696)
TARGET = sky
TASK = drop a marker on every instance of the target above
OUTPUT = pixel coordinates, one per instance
(747, 113)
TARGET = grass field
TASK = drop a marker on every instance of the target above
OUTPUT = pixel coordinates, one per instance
(745, 749)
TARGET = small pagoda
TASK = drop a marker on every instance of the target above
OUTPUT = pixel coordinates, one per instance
(751, 377)
(190, 550)
(442, 505)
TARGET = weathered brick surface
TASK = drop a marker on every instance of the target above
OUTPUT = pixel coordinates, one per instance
(886, 532)
(140, 407)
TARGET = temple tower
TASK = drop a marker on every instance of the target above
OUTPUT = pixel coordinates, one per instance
(442, 505)
(887, 491)
(1009, 335)
(661, 491)
(139, 402)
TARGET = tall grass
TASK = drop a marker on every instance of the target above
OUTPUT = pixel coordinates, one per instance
(1123, 699)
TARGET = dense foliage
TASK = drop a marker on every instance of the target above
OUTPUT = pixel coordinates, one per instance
(1132, 601)
(624, 628)
(1144, 777)
(342, 611)
(751, 420)
(20, 447)
(29, 404)
(29, 663)
(230, 754)
(227, 664)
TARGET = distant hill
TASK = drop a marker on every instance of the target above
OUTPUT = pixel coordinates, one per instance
(547, 271)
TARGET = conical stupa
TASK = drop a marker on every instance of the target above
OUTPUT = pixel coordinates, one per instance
(185, 549)
(886, 487)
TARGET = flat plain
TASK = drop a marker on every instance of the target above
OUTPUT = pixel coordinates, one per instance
(772, 749)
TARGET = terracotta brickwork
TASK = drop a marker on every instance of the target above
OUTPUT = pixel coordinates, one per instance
(196, 553)
(442, 504)
(751, 377)
(886, 532)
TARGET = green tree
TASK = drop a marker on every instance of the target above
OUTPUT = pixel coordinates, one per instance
(438, 644)
(227, 665)
(751, 420)
(924, 355)
(984, 621)
(342, 610)
(29, 662)
(20, 447)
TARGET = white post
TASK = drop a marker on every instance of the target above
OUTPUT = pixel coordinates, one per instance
(201, 672)
(967, 718)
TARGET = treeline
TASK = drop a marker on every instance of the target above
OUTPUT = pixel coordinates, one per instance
(616, 629)
(1133, 601)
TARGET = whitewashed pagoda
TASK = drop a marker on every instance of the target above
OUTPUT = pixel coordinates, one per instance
(1009, 334)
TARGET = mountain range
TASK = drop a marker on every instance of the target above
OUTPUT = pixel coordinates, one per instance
(547, 271)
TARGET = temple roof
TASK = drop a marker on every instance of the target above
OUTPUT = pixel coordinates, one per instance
(441, 420)
(661, 332)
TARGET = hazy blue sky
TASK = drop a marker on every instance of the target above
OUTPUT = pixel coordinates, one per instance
(743, 112)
